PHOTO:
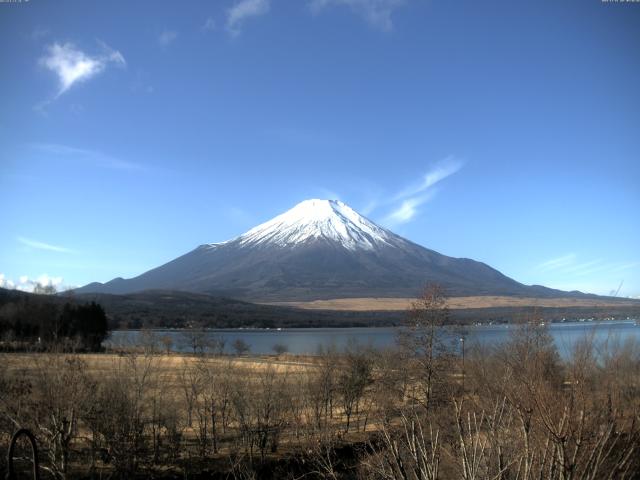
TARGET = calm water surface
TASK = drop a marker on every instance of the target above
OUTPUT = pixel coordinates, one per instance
(309, 340)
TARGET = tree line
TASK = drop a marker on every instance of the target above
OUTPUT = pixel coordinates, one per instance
(39, 321)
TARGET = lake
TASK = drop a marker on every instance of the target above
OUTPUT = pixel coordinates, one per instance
(308, 340)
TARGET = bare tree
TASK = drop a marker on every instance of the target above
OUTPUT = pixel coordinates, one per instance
(410, 451)
(191, 387)
(261, 409)
(218, 344)
(195, 338)
(353, 379)
(424, 342)
(214, 401)
(120, 414)
(43, 289)
(279, 349)
(167, 343)
(391, 382)
(240, 346)
(61, 395)
(149, 341)
(549, 420)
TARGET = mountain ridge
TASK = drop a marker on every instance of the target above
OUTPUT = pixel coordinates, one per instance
(320, 249)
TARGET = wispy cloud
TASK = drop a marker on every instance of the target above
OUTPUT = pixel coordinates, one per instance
(376, 13)
(239, 216)
(73, 66)
(167, 37)
(140, 84)
(586, 268)
(43, 246)
(328, 193)
(39, 32)
(569, 266)
(209, 24)
(626, 266)
(242, 10)
(439, 172)
(90, 156)
(368, 207)
(556, 263)
(408, 209)
(407, 201)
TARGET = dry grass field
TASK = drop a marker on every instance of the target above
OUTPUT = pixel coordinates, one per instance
(167, 366)
(454, 303)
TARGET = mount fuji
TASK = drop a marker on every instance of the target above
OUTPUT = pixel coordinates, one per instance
(320, 249)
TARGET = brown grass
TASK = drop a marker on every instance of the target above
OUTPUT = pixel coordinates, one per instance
(396, 304)
(167, 365)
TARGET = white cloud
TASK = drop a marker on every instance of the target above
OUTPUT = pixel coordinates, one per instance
(242, 10)
(440, 171)
(408, 200)
(408, 209)
(26, 284)
(5, 282)
(167, 37)
(47, 281)
(376, 13)
(73, 66)
(43, 246)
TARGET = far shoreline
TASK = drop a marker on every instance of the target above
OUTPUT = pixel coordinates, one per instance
(567, 322)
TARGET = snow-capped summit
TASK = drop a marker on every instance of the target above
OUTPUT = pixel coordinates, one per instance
(329, 220)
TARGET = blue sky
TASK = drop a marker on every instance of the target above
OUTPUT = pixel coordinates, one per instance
(507, 132)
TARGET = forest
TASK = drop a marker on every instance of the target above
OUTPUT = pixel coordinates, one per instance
(41, 322)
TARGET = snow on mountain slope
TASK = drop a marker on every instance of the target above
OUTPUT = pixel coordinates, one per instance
(315, 219)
